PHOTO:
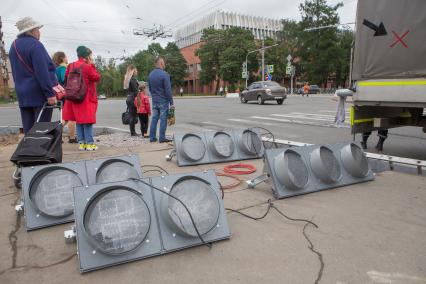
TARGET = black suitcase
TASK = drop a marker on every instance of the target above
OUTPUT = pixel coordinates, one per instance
(41, 145)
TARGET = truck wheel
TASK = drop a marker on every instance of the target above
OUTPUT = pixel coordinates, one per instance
(260, 101)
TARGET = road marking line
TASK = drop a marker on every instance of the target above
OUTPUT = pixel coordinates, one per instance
(251, 121)
(300, 122)
(312, 114)
(301, 117)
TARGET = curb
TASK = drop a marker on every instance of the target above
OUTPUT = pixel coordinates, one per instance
(98, 130)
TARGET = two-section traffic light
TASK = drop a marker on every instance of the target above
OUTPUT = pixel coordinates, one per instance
(136, 219)
(47, 190)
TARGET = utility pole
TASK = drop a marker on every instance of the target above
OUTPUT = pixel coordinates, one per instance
(3, 64)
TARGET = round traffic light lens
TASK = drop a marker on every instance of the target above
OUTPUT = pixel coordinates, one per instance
(193, 147)
(251, 143)
(223, 145)
(117, 221)
(291, 170)
(115, 170)
(202, 203)
(354, 160)
(325, 165)
(52, 192)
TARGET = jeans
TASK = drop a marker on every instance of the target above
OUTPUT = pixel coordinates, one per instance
(29, 116)
(85, 133)
(159, 111)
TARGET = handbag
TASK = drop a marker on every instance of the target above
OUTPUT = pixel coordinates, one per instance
(126, 117)
(58, 90)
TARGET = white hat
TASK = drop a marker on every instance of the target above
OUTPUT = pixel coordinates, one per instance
(27, 24)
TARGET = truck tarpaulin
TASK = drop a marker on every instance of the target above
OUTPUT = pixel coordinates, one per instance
(390, 39)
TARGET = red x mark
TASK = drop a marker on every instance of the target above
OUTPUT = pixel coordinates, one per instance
(399, 39)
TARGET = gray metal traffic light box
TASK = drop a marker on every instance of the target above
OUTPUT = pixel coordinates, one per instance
(217, 146)
(112, 169)
(115, 223)
(127, 221)
(48, 190)
(201, 194)
(301, 170)
(47, 193)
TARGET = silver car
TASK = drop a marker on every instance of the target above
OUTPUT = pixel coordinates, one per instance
(264, 91)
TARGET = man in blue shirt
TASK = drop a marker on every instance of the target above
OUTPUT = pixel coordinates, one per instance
(161, 92)
(33, 72)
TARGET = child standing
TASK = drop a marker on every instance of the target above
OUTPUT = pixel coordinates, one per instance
(143, 109)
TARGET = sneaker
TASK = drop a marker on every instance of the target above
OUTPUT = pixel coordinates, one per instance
(91, 147)
(82, 147)
(165, 140)
(72, 140)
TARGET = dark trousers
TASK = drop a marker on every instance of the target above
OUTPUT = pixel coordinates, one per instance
(143, 119)
(29, 116)
(382, 133)
(130, 101)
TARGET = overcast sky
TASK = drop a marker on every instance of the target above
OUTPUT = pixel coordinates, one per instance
(106, 26)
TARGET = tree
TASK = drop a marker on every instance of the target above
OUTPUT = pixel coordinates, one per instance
(318, 48)
(209, 54)
(345, 40)
(175, 64)
(239, 43)
(223, 53)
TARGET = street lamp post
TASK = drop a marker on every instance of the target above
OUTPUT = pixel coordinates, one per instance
(263, 59)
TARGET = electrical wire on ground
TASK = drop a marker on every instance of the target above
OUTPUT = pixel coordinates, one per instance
(155, 166)
(231, 169)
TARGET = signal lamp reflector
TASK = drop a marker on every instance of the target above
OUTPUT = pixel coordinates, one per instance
(354, 160)
(325, 165)
(291, 170)
(250, 142)
(116, 170)
(222, 145)
(193, 147)
(117, 221)
(52, 192)
(202, 203)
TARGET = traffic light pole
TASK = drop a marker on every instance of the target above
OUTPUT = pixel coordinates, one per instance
(263, 59)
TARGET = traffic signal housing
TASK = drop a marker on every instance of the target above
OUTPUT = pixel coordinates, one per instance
(127, 221)
(217, 146)
(300, 170)
(47, 193)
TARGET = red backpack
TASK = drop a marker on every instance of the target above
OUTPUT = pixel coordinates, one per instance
(75, 88)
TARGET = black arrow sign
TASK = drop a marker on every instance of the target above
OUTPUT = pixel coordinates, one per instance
(379, 30)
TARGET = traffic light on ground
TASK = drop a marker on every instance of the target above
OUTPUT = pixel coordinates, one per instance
(127, 221)
(112, 169)
(217, 146)
(47, 193)
(301, 170)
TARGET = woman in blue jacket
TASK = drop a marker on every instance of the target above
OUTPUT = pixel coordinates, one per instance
(33, 72)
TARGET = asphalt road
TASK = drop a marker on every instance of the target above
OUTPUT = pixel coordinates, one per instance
(301, 119)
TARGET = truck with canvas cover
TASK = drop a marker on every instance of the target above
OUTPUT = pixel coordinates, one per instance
(389, 65)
